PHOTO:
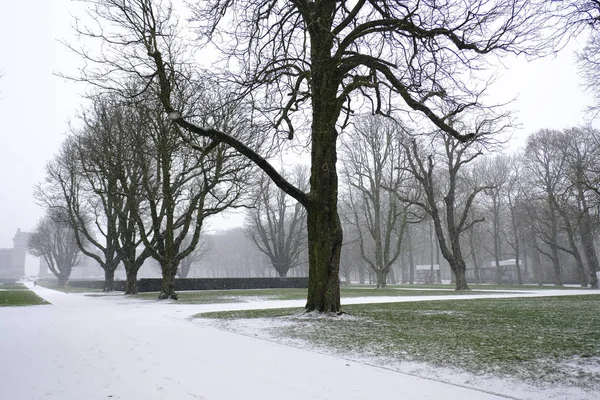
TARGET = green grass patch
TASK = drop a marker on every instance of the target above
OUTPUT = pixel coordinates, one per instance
(484, 287)
(19, 295)
(15, 286)
(548, 339)
(237, 296)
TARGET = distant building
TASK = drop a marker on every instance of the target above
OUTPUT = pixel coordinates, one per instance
(12, 261)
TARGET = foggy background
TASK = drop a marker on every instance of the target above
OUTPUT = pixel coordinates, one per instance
(36, 106)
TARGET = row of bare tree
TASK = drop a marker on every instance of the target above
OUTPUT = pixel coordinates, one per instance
(304, 68)
(541, 201)
(130, 187)
(395, 184)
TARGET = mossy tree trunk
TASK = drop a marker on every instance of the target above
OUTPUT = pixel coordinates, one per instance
(109, 279)
(167, 291)
(131, 282)
(323, 222)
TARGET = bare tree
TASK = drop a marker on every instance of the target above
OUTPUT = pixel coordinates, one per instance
(276, 224)
(327, 53)
(373, 160)
(83, 181)
(546, 163)
(91, 181)
(494, 171)
(582, 153)
(127, 133)
(447, 193)
(182, 188)
(54, 240)
(513, 193)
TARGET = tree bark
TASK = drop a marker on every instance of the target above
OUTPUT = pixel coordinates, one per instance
(109, 279)
(459, 270)
(324, 247)
(381, 278)
(131, 283)
(62, 281)
(168, 281)
(324, 227)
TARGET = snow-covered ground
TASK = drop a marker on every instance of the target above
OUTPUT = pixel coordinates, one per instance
(111, 347)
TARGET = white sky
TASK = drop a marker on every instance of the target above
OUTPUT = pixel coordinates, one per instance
(35, 106)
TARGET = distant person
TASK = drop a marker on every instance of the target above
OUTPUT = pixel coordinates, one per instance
(34, 282)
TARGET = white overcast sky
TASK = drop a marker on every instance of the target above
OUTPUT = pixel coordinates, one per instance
(35, 106)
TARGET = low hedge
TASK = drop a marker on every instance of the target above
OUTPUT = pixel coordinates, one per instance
(154, 284)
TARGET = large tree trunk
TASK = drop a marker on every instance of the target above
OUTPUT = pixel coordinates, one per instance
(168, 281)
(459, 271)
(381, 278)
(131, 283)
(324, 246)
(457, 264)
(109, 279)
(324, 228)
(461, 279)
(574, 249)
(62, 281)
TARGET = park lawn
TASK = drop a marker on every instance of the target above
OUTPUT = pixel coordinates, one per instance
(236, 296)
(67, 289)
(542, 340)
(480, 286)
(18, 295)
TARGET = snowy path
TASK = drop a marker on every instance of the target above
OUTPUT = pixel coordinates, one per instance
(91, 348)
